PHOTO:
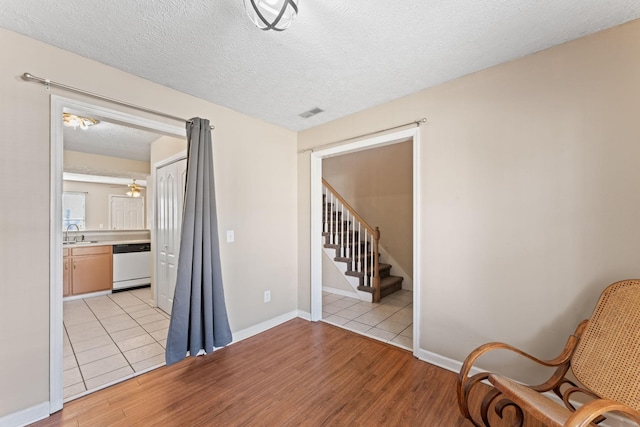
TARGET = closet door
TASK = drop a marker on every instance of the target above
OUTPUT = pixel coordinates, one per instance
(170, 182)
(127, 213)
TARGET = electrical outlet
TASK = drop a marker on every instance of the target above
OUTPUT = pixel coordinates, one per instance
(230, 236)
(267, 296)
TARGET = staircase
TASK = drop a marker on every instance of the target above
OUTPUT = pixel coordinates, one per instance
(356, 247)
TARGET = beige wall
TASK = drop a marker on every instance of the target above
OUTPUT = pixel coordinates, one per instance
(97, 201)
(165, 147)
(529, 193)
(332, 276)
(77, 162)
(377, 183)
(244, 150)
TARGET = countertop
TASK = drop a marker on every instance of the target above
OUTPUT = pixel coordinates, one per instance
(103, 243)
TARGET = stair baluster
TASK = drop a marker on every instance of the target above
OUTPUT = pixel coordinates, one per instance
(342, 230)
(353, 238)
(338, 213)
(333, 224)
(364, 258)
(358, 261)
(325, 225)
(376, 269)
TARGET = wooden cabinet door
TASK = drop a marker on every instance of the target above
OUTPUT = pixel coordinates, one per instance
(91, 273)
(66, 276)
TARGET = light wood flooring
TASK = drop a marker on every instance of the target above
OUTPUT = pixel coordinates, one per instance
(298, 373)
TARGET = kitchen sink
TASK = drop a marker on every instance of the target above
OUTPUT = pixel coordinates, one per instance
(81, 242)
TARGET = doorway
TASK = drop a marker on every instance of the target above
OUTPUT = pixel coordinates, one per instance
(317, 211)
(126, 213)
(60, 105)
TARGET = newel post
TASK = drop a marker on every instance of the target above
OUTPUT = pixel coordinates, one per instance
(376, 267)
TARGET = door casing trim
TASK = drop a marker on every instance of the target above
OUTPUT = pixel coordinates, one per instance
(316, 217)
(58, 105)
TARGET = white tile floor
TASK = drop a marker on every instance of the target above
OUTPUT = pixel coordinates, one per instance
(111, 337)
(390, 321)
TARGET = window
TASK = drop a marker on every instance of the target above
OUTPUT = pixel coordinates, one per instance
(73, 212)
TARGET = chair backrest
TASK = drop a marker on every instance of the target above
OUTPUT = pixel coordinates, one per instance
(607, 359)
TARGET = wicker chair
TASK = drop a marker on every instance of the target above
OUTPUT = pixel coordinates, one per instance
(603, 354)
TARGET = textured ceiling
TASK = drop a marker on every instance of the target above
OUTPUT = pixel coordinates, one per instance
(342, 56)
(108, 139)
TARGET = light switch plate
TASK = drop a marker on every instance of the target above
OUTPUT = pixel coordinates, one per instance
(230, 236)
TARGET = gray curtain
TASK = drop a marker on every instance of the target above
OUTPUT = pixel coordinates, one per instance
(199, 315)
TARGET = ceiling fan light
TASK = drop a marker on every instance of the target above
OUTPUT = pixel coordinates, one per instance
(274, 15)
(72, 120)
(134, 189)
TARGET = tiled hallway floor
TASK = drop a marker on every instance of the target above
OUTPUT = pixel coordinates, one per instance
(111, 337)
(390, 321)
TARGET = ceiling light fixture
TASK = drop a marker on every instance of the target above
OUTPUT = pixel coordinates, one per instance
(274, 15)
(73, 121)
(134, 190)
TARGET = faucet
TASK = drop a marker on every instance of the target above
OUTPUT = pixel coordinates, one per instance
(66, 233)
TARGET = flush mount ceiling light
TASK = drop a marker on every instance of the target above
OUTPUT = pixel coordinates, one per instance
(134, 190)
(73, 121)
(274, 15)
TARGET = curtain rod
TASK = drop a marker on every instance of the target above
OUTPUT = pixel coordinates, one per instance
(415, 122)
(48, 83)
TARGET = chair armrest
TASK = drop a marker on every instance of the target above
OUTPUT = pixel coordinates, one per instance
(466, 383)
(561, 363)
(486, 348)
(592, 410)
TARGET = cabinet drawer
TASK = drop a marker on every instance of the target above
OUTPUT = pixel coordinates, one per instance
(91, 250)
(65, 252)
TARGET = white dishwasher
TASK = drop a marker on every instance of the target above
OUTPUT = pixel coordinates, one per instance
(131, 265)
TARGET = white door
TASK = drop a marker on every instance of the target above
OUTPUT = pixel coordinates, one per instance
(127, 213)
(170, 183)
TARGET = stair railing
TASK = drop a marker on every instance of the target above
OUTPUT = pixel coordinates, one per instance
(345, 228)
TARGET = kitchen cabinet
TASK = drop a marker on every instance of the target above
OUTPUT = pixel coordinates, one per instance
(90, 269)
(66, 273)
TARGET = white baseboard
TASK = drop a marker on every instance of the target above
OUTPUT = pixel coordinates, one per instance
(26, 416)
(339, 292)
(443, 361)
(263, 326)
(89, 295)
(304, 315)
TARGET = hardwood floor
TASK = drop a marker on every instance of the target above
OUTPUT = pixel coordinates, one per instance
(299, 373)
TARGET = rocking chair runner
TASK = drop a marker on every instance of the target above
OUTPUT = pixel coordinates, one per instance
(604, 355)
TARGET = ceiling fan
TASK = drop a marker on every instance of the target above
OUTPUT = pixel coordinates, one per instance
(134, 189)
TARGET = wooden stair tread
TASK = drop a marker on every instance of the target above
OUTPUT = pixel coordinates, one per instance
(388, 285)
(383, 268)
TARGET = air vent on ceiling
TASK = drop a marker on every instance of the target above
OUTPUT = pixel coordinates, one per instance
(311, 112)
